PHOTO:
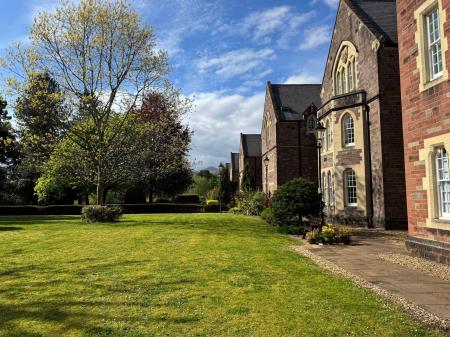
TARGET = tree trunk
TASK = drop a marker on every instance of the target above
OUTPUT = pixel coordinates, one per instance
(100, 189)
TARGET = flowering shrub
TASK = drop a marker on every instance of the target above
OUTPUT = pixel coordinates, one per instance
(329, 234)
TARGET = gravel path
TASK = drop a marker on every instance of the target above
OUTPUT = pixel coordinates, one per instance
(428, 267)
(411, 309)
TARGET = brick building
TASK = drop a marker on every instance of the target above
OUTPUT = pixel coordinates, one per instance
(234, 168)
(362, 169)
(250, 158)
(288, 143)
(423, 27)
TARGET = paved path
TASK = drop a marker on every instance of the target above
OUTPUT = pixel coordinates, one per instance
(360, 258)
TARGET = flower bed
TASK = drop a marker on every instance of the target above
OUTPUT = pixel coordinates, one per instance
(329, 234)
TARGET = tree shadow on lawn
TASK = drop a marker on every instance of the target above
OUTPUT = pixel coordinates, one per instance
(9, 228)
(36, 220)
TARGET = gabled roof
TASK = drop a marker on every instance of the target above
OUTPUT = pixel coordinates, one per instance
(251, 145)
(380, 16)
(295, 98)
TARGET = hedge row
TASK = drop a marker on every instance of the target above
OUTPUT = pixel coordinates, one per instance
(76, 209)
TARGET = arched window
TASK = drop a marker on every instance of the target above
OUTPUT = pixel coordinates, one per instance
(344, 69)
(348, 129)
(443, 182)
(326, 144)
(330, 190)
(311, 124)
(350, 188)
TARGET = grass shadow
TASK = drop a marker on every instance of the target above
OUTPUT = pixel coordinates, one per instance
(9, 229)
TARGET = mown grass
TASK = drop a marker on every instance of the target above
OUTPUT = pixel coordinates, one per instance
(176, 275)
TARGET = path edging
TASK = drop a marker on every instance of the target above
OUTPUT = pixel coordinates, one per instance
(408, 307)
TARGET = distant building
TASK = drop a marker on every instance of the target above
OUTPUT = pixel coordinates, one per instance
(424, 27)
(288, 142)
(234, 168)
(362, 169)
(250, 157)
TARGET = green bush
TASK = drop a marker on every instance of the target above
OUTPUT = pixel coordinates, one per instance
(235, 210)
(294, 200)
(267, 215)
(251, 203)
(101, 213)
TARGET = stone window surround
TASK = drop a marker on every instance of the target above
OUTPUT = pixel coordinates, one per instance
(352, 55)
(343, 132)
(422, 45)
(427, 156)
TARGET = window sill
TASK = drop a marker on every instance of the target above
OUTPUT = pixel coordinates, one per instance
(429, 84)
(442, 224)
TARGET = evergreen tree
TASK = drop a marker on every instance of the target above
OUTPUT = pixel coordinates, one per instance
(246, 180)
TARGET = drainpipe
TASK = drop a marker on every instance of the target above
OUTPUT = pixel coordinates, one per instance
(366, 109)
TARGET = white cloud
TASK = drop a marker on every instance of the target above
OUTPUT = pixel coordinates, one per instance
(303, 78)
(217, 122)
(315, 37)
(330, 3)
(236, 62)
(278, 24)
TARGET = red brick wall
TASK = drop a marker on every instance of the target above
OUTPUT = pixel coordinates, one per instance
(423, 116)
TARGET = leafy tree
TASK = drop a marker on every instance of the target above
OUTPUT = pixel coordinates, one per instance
(103, 58)
(205, 173)
(246, 180)
(70, 167)
(165, 143)
(40, 115)
(9, 153)
(202, 185)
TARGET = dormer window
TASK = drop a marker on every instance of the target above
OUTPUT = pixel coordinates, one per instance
(286, 109)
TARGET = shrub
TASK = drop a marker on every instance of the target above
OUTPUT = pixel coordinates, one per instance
(267, 215)
(187, 199)
(235, 210)
(251, 203)
(101, 213)
(294, 200)
(212, 203)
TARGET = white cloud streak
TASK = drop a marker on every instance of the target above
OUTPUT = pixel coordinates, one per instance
(315, 37)
(236, 62)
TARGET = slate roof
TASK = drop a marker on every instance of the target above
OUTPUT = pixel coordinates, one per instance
(296, 97)
(380, 16)
(251, 145)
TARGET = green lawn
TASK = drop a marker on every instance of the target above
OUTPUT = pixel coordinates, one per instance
(176, 275)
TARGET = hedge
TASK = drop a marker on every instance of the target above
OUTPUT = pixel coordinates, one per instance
(76, 209)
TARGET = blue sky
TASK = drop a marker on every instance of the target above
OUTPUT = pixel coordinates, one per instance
(222, 53)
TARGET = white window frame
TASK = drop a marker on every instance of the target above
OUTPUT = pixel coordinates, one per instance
(347, 130)
(329, 135)
(351, 75)
(351, 196)
(443, 182)
(434, 46)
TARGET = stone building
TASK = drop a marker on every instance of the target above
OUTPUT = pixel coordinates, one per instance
(288, 142)
(362, 170)
(250, 159)
(423, 27)
(234, 168)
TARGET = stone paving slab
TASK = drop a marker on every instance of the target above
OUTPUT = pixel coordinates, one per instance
(360, 258)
